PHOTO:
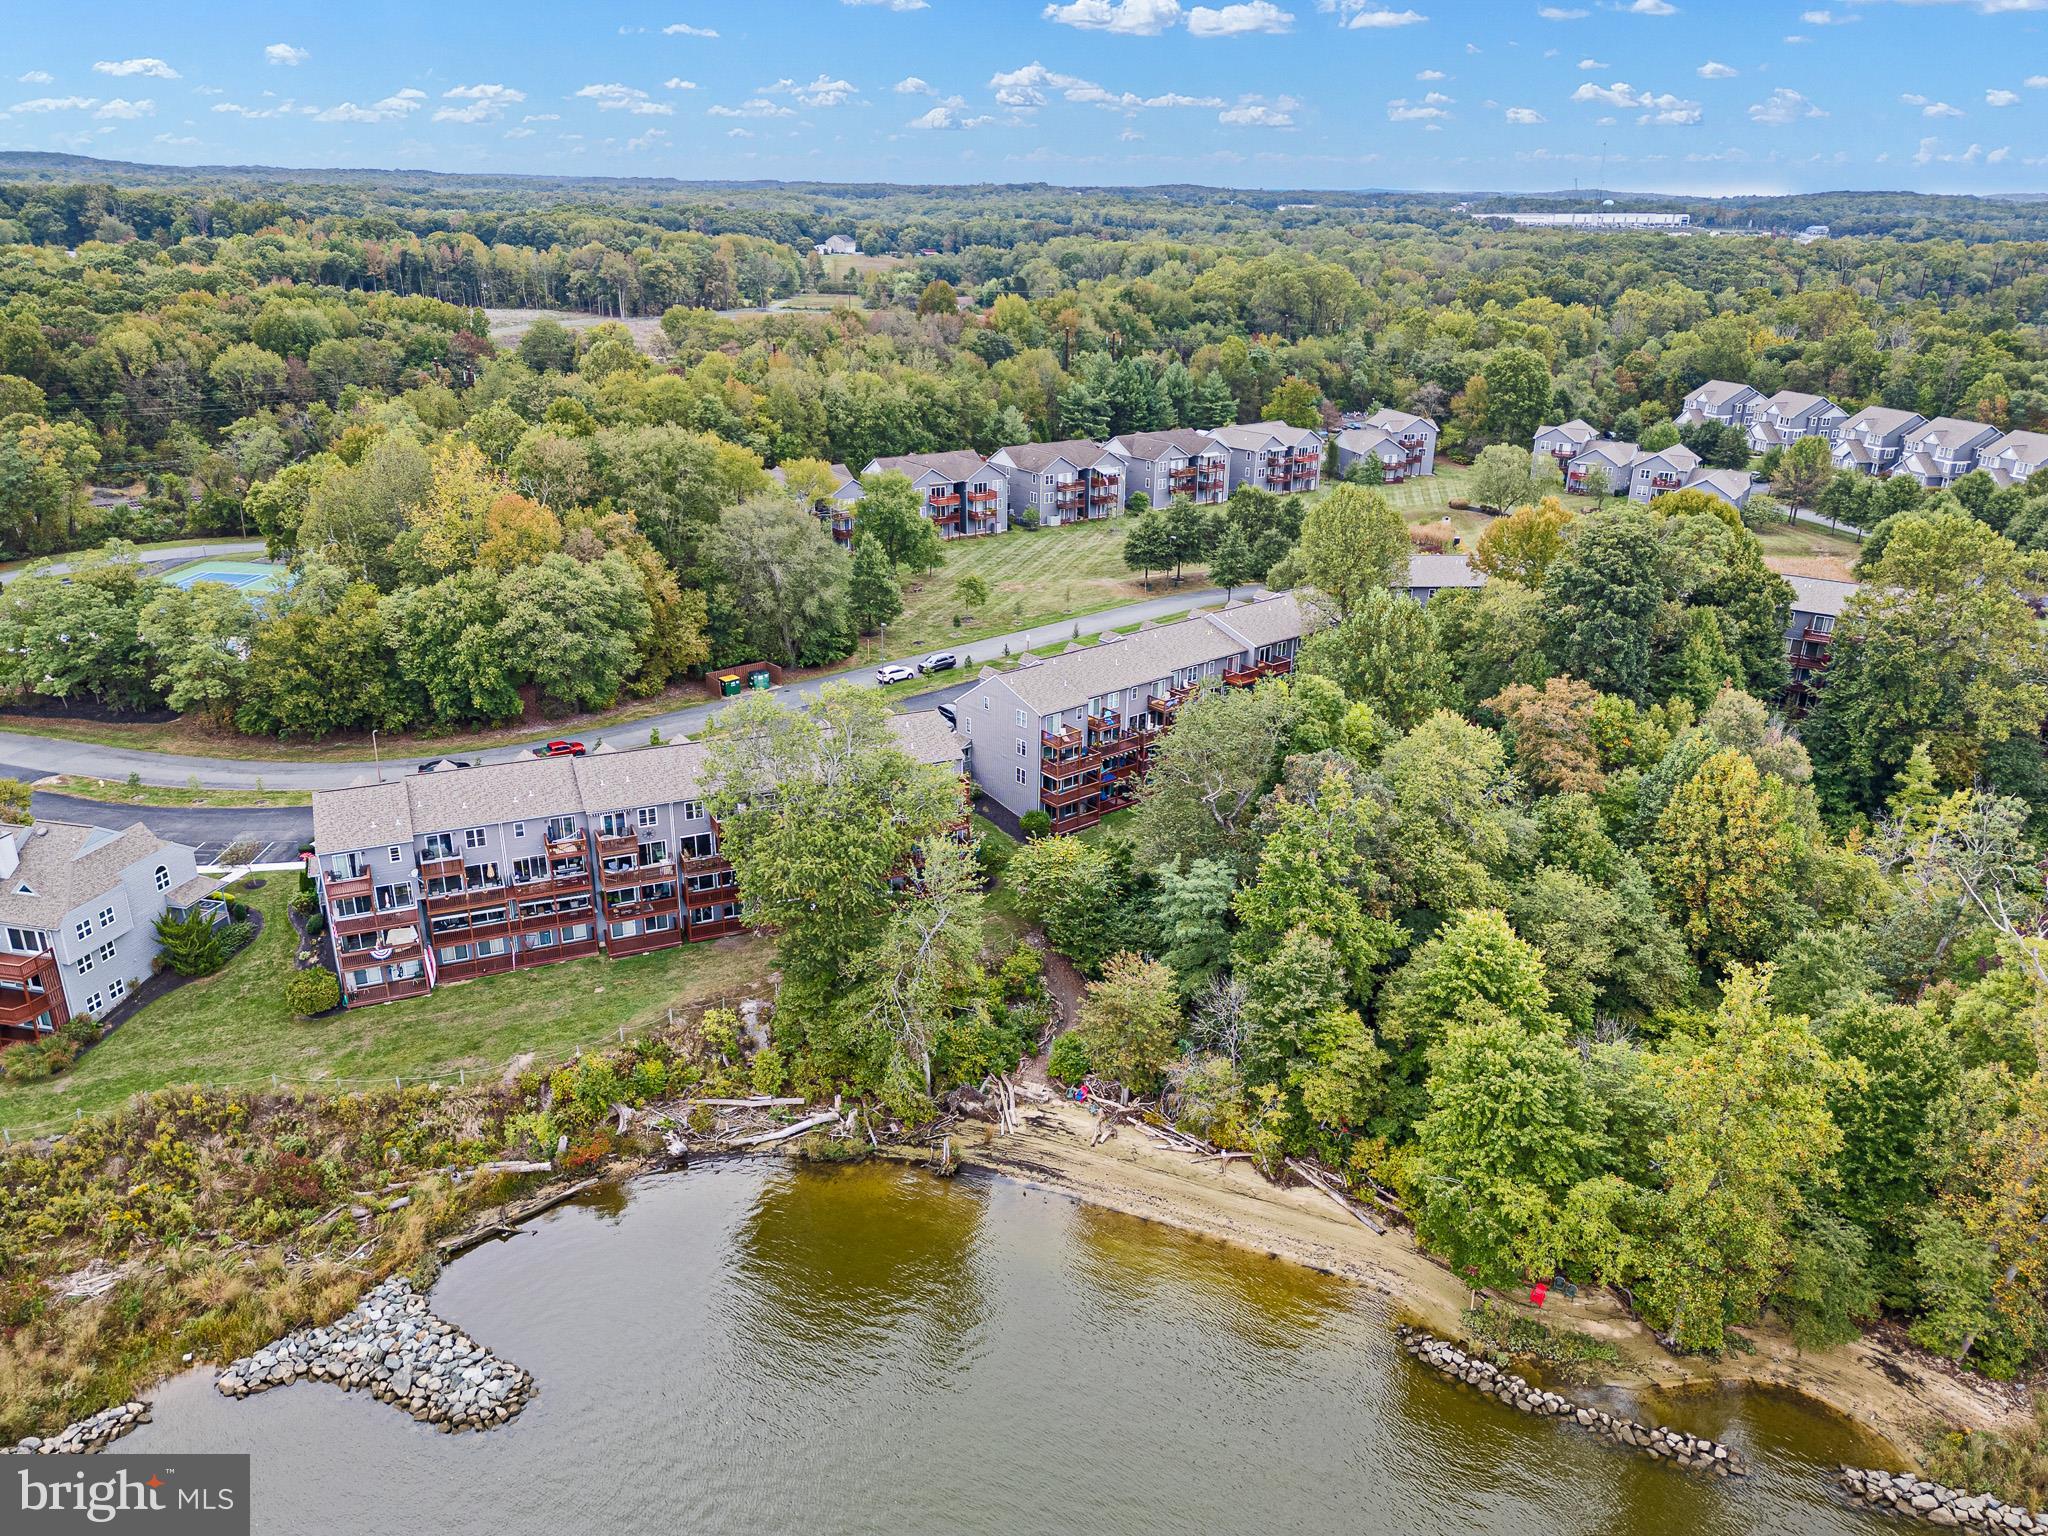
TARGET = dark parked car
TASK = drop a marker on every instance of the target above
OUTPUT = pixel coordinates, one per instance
(446, 762)
(938, 661)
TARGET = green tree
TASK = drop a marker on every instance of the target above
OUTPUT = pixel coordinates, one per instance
(873, 597)
(548, 346)
(1201, 795)
(1148, 544)
(938, 298)
(199, 637)
(1190, 530)
(1517, 393)
(787, 580)
(1233, 565)
(1383, 655)
(971, 591)
(1522, 545)
(1192, 911)
(574, 627)
(1353, 543)
(1723, 859)
(80, 635)
(1601, 602)
(1501, 478)
(891, 512)
(1130, 1021)
(1804, 471)
(1295, 402)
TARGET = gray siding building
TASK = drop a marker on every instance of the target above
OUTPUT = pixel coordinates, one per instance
(1060, 483)
(1181, 462)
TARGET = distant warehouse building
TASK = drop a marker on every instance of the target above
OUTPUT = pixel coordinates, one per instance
(1603, 219)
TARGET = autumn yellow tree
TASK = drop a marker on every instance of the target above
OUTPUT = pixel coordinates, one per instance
(1520, 546)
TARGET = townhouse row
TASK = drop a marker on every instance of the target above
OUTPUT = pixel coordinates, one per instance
(1877, 440)
(466, 872)
(1052, 484)
(78, 912)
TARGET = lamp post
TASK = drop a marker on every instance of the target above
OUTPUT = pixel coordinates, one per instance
(377, 756)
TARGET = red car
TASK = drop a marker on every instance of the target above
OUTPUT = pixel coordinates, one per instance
(560, 749)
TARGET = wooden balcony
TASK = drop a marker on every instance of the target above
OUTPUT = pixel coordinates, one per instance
(1073, 794)
(468, 898)
(563, 882)
(703, 864)
(339, 888)
(643, 941)
(716, 928)
(390, 991)
(1244, 677)
(628, 876)
(19, 968)
(568, 850)
(937, 503)
(983, 496)
(612, 845)
(360, 922)
(445, 867)
(19, 1007)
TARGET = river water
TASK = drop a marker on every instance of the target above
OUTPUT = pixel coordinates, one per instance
(756, 1347)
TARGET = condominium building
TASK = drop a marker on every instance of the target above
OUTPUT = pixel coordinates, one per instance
(1817, 605)
(1072, 735)
(1272, 456)
(1607, 459)
(78, 911)
(1734, 486)
(1720, 402)
(1405, 445)
(1872, 441)
(2015, 458)
(836, 508)
(465, 872)
(1431, 574)
(1652, 472)
(1789, 415)
(1163, 465)
(1559, 445)
(1940, 452)
(963, 496)
(1060, 483)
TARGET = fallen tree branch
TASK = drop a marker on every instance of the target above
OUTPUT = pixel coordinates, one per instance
(1317, 1182)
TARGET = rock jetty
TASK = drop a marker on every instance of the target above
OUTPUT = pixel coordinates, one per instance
(93, 1434)
(400, 1353)
(1690, 1452)
(1919, 1499)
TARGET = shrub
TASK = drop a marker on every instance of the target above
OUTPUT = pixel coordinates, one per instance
(316, 925)
(238, 910)
(191, 947)
(1069, 1060)
(1035, 824)
(312, 992)
(992, 853)
(305, 904)
(292, 1179)
(235, 938)
(81, 1030)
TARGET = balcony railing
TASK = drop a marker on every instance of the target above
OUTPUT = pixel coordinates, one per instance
(18, 968)
(1073, 794)
(390, 991)
(360, 922)
(18, 1008)
(440, 867)
(560, 882)
(704, 864)
(984, 495)
(342, 887)
(717, 927)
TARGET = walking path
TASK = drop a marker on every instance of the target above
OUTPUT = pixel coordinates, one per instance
(33, 756)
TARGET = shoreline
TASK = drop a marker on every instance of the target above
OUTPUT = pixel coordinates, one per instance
(1888, 1395)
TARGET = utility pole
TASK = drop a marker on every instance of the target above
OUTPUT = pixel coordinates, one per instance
(376, 756)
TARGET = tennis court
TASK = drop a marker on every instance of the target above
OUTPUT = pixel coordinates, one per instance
(255, 577)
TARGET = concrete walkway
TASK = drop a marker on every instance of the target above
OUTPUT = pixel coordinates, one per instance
(33, 756)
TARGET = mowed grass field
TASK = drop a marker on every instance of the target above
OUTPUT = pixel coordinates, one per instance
(232, 1029)
(1033, 577)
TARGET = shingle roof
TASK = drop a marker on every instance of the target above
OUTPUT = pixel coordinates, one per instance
(1855, 452)
(1948, 432)
(1678, 456)
(1433, 573)
(363, 815)
(1128, 660)
(1364, 440)
(612, 781)
(1720, 392)
(957, 464)
(2024, 447)
(1817, 594)
(924, 734)
(1764, 432)
(1157, 445)
(1881, 419)
(475, 797)
(1257, 434)
(1790, 402)
(65, 866)
(1734, 484)
(1033, 458)
(1391, 420)
(1576, 430)
(1614, 454)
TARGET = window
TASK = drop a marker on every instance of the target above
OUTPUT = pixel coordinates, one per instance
(85, 961)
(519, 829)
(25, 941)
(561, 827)
(397, 854)
(106, 951)
(118, 990)
(1021, 745)
(1020, 775)
(693, 810)
(647, 815)
(545, 939)
(94, 1003)
(473, 838)
(83, 928)
(967, 726)
(452, 954)
(163, 878)
(613, 824)
(1021, 720)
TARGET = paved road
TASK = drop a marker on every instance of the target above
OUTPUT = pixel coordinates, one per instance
(226, 549)
(1803, 515)
(35, 756)
(275, 835)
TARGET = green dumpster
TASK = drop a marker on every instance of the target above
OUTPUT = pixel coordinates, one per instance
(759, 678)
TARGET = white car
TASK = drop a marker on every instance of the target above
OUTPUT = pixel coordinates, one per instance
(894, 672)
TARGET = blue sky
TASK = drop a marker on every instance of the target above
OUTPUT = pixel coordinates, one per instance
(1705, 96)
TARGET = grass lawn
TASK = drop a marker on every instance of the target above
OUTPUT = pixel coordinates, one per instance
(1034, 577)
(1801, 549)
(232, 1029)
(121, 792)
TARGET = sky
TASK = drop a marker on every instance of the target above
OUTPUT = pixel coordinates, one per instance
(1710, 97)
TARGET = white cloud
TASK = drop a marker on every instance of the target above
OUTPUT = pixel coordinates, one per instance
(948, 115)
(678, 83)
(1561, 13)
(651, 139)
(1650, 8)
(1380, 20)
(1782, 107)
(1256, 112)
(1235, 20)
(2001, 98)
(1827, 18)
(1927, 152)
(1714, 69)
(1999, 156)
(1656, 107)
(1402, 110)
(1794, 37)
(1929, 108)
(614, 97)
(486, 102)
(1590, 63)
(1026, 87)
(127, 111)
(1525, 117)
(739, 133)
(542, 117)
(821, 92)
(1431, 74)
(755, 106)
(2034, 82)
(684, 29)
(910, 85)
(154, 69)
(285, 53)
(172, 138)
(35, 77)
(391, 109)
(56, 104)
(1128, 18)
(519, 133)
